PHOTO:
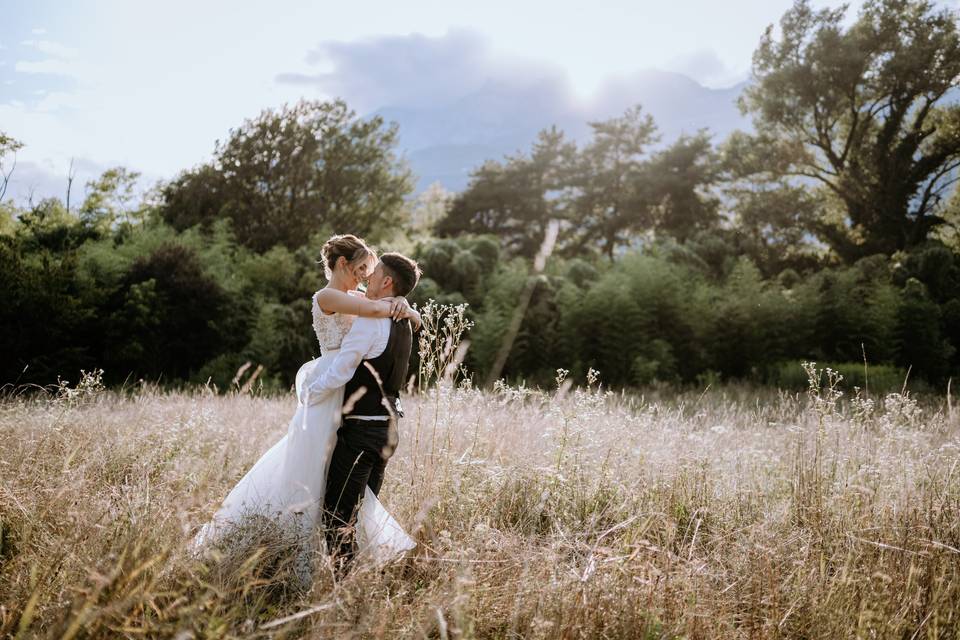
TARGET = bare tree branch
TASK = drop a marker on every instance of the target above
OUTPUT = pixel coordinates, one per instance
(71, 174)
(6, 176)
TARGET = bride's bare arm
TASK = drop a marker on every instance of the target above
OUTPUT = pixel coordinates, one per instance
(412, 314)
(334, 301)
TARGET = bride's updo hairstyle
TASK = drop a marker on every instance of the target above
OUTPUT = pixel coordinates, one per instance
(350, 247)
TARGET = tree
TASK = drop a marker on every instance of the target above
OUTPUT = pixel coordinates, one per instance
(516, 199)
(43, 317)
(919, 338)
(461, 265)
(773, 219)
(604, 194)
(292, 172)
(167, 317)
(428, 208)
(108, 198)
(866, 113)
(8, 147)
(47, 227)
(614, 192)
(679, 176)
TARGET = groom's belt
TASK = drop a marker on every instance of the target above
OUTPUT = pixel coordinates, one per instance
(397, 408)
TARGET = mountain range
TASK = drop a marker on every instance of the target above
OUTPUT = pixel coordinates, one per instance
(444, 143)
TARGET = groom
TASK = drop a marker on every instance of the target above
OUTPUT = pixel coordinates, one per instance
(372, 368)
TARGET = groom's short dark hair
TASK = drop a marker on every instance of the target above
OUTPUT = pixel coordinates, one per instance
(404, 272)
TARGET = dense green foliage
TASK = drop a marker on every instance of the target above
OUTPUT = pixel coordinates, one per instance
(653, 316)
(149, 302)
(284, 174)
(861, 114)
(825, 234)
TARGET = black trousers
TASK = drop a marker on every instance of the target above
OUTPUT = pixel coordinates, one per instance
(358, 461)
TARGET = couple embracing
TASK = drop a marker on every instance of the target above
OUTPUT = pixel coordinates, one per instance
(328, 469)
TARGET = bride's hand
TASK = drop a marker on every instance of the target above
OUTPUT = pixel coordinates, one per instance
(400, 309)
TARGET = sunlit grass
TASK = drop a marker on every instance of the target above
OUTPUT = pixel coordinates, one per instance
(578, 513)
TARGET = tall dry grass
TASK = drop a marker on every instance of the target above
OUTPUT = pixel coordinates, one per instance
(733, 513)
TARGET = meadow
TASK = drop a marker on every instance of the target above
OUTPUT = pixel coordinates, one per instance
(707, 483)
(730, 512)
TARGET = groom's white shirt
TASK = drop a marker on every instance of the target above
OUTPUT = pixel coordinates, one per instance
(366, 339)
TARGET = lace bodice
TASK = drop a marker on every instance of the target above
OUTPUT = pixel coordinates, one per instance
(330, 329)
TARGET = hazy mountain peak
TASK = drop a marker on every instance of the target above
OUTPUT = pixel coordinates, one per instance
(444, 142)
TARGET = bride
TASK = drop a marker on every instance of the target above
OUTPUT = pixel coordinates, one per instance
(287, 483)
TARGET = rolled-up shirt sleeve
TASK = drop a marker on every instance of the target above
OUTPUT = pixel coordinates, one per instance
(356, 345)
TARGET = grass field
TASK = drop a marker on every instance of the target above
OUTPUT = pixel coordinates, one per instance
(731, 513)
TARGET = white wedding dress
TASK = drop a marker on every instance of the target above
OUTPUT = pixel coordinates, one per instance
(288, 481)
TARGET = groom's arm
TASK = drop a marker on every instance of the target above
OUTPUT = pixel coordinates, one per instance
(358, 344)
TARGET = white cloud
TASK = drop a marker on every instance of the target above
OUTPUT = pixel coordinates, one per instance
(409, 70)
(52, 48)
(38, 31)
(57, 100)
(51, 65)
(60, 61)
(416, 70)
(56, 49)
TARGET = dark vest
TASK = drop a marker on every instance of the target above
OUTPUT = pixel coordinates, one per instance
(391, 367)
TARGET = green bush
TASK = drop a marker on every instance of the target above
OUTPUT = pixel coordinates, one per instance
(875, 378)
(167, 317)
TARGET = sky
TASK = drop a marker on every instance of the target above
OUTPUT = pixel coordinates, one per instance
(153, 86)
